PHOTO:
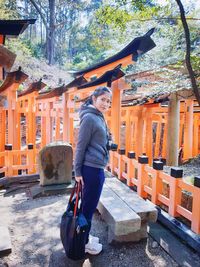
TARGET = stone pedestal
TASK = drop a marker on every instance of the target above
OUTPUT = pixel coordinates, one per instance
(55, 163)
(132, 237)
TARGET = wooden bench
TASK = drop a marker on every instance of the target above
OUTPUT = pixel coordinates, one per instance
(126, 213)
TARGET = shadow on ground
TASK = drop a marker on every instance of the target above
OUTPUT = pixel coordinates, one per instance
(35, 235)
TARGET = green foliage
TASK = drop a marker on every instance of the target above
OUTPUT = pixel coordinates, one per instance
(19, 47)
(95, 30)
(189, 180)
(8, 9)
(122, 12)
(36, 49)
(20, 88)
(195, 61)
(115, 17)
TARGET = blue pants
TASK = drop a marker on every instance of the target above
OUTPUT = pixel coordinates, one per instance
(93, 183)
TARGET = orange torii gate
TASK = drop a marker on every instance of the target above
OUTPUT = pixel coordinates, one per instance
(61, 105)
(8, 112)
(56, 105)
(126, 56)
(27, 106)
(8, 89)
(10, 28)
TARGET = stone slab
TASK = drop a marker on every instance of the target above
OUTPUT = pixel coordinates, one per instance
(120, 217)
(146, 210)
(108, 174)
(5, 241)
(55, 163)
(179, 251)
(43, 191)
(19, 179)
(132, 237)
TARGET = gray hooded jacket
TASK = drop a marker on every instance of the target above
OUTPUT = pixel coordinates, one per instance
(91, 147)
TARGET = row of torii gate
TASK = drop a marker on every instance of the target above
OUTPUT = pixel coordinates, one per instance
(53, 116)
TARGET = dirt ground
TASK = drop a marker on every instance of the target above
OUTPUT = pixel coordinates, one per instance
(34, 230)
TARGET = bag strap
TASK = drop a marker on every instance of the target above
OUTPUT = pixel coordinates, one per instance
(73, 192)
(78, 192)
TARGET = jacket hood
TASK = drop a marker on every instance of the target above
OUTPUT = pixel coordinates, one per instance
(85, 109)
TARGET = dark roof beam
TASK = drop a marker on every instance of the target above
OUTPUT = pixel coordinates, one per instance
(138, 46)
(108, 77)
(35, 86)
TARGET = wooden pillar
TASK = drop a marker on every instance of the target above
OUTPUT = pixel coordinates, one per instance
(116, 112)
(128, 131)
(43, 131)
(2, 38)
(12, 118)
(164, 148)
(173, 130)
(139, 133)
(195, 137)
(57, 130)
(2, 133)
(66, 122)
(1, 68)
(18, 126)
(181, 131)
(157, 143)
(188, 130)
(71, 120)
(49, 128)
(149, 135)
(31, 123)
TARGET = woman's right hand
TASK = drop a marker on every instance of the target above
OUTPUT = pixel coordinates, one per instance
(79, 179)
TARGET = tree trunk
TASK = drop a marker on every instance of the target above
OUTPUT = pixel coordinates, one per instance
(51, 33)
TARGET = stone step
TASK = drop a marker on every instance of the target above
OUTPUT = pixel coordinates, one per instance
(144, 209)
(5, 241)
(121, 218)
(47, 190)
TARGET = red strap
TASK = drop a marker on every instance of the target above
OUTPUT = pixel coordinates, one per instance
(77, 198)
(73, 191)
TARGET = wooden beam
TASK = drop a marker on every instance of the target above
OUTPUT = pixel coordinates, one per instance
(116, 112)
(139, 133)
(66, 120)
(2, 39)
(173, 130)
(149, 134)
(196, 136)
(98, 72)
(188, 130)
(7, 58)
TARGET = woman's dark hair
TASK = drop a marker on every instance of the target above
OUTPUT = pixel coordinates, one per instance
(101, 90)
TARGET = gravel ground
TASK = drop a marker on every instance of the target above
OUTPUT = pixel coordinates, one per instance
(34, 230)
(190, 169)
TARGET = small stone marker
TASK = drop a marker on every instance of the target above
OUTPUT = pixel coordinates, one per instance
(55, 163)
(5, 242)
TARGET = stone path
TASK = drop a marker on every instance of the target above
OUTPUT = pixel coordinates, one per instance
(34, 229)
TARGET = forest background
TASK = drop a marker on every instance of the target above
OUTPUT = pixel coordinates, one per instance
(75, 34)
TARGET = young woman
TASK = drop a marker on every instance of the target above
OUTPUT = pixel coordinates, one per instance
(92, 156)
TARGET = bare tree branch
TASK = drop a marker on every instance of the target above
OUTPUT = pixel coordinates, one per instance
(39, 11)
(187, 56)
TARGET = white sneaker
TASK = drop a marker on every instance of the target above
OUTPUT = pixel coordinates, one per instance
(93, 239)
(93, 248)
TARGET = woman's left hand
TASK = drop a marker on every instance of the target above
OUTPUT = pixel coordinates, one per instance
(79, 179)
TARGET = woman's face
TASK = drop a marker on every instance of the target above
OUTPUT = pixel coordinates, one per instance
(102, 102)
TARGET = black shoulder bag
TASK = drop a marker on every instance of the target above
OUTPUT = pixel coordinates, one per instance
(74, 226)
